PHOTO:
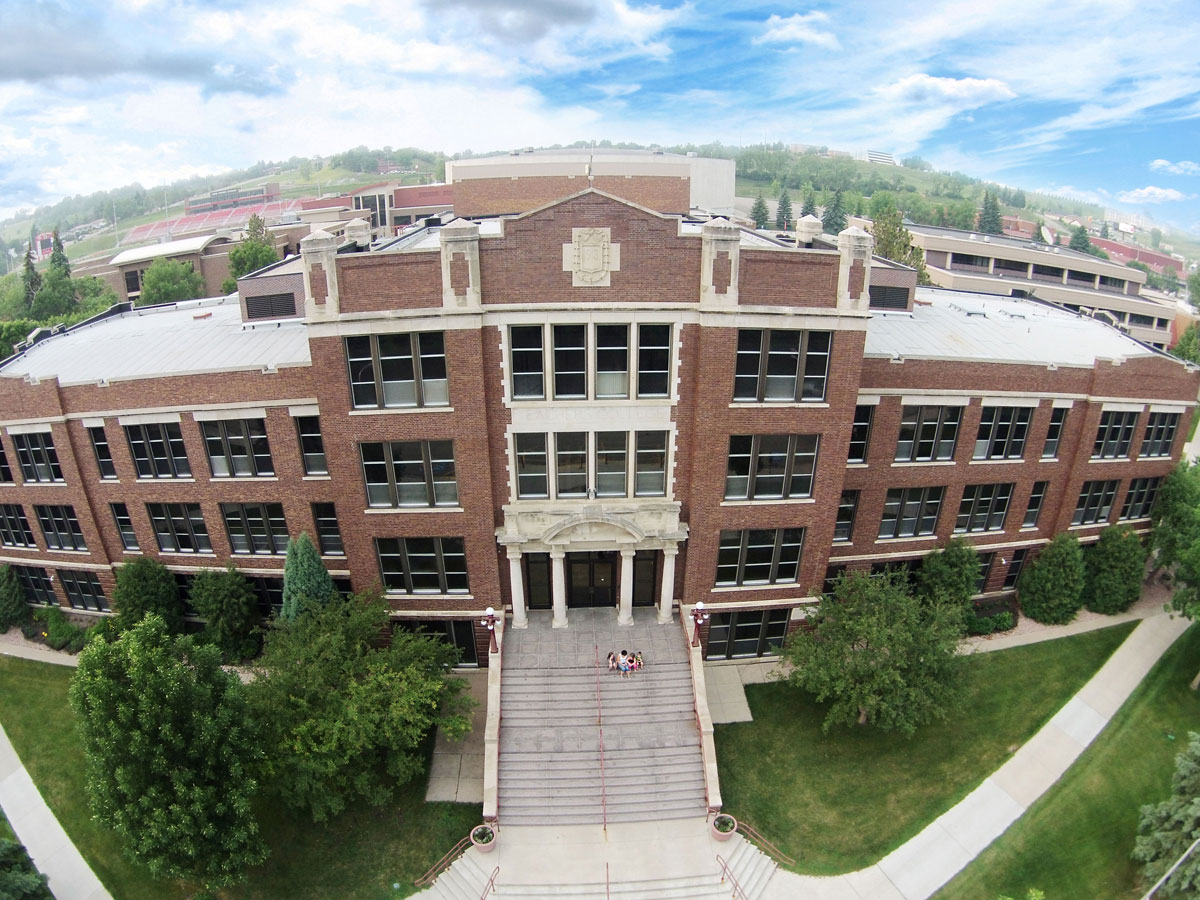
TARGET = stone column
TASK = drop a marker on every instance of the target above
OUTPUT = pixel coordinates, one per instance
(667, 594)
(625, 610)
(558, 586)
(854, 270)
(517, 583)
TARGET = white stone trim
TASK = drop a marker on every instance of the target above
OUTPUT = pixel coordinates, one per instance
(939, 399)
(307, 409)
(1112, 406)
(1062, 403)
(1168, 408)
(33, 428)
(217, 415)
(93, 423)
(1010, 401)
(150, 418)
(868, 400)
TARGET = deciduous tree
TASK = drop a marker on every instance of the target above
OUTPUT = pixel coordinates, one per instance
(759, 212)
(19, 880)
(226, 602)
(1114, 567)
(168, 281)
(145, 586)
(1167, 829)
(251, 254)
(1188, 345)
(55, 298)
(1175, 517)
(306, 582)
(1051, 589)
(949, 575)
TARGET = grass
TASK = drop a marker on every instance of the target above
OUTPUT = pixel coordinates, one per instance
(842, 801)
(1074, 842)
(358, 856)
(6, 832)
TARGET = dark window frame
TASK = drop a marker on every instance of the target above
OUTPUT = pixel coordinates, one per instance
(935, 427)
(389, 458)
(1015, 565)
(1114, 435)
(860, 433)
(329, 538)
(1037, 500)
(400, 550)
(756, 367)
(38, 458)
(183, 524)
(60, 527)
(312, 445)
(221, 440)
(800, 453)
(124, 523)
(1058, 419)
(983, 508)
(241, 519)
(843, 526)
(102, 452)
(173, 460)
(14, 527)
(1159, 436)
(83, 590)
(735, 551)
(1002, 432)
(430, 387)
(1096, 500)
(36, 584)
(1139, 499)
(928, 502)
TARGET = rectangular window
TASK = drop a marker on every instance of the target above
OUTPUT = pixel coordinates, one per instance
(6, 475)
(612, 362)
(179, 527)
(985, 569)
(389, 371)
(37, 456)
(410, 473)
(1014, 568)
(36, 585)
(651, 477)
(60, 527)
(14, 527)
(1140, 499)
(759, 556)
(238, 448)
(1095, 502)
(124, 526)
(781, 366)
(654, 360)
(256, 527)
(1058, 416)
(928, 433)
(104, 460)
(528, 362)
(269, 592)
(909, 512)
(612, 464)
(843, 528)
(1160, 434)
(983, 507)
(1034, 509)
(570, 362)
(158, 450)
(611, 372)
(312, 448)
(83, 590)
(432, 565)
(329, 535)
(591, 464)
(532, 468)
(1002, 431)
(570, 455)
(1114, 435)
(770, 466)
(860, 433)
(747, 633)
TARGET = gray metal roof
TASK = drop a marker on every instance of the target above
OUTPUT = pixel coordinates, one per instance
(961, 325)
(183, 339)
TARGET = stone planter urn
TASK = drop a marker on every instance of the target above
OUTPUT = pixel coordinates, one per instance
(723, 827)
(484, 838)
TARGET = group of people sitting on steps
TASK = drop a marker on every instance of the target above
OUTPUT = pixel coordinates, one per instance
(626, 662)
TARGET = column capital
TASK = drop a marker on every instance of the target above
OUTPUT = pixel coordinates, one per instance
(557, 553)
(513, 552)
(628, 552)
(672, 550)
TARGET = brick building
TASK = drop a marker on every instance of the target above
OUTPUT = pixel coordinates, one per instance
(591, 403)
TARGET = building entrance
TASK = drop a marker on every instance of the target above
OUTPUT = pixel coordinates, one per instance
(590, 578)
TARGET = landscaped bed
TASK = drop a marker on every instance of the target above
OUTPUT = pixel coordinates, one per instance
(840, 801)
(356, 856)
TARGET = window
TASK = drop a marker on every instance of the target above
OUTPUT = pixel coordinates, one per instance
(612, 362)
(1002, 431)
(746, 633)
(570, 361)
(389, 371)
(329, 536)
(36, 585)
(591, 464)
(770, 466)
(238, 448)
(532, 469)
(433, 565)
(14, 527)
(38, 459)
(1034, 509)
(759, 556)
(1095, 502)
(312, 448)
(781, 366)
(410, 473)
(1014, 568)
(528, 362)
(1114, 434)
(269, 592)
(860, 433)
(654, 360)
(104, 460)
(256, 527)
(6, 475)
(615, 347)
(1160, 434)
(650, 478)
(124, 526)
(1140, 499)
(60, 527)
(985, 569)
(843, 528)
(928, 433)
(179, 527)
(983, 507)
(158, 450)
(1058, 416)
(570, 453)
(83, 590)
(832, 574)
(458, 633)
(908, 512)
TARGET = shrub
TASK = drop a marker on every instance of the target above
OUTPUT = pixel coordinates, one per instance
(1002, 621)
(949, 575)
(145, 586)
(226, 601)
(1051, 590)
(1115, 566)
(13, 608)
(19, 880)
(61, 633)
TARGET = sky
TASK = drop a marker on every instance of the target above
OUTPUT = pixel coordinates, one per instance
(1096, 99)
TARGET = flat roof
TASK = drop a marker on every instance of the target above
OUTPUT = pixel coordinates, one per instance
(961, 325)
(186, 338)
(168, 248)
(978, 238)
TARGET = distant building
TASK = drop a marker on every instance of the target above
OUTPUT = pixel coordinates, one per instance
(1154, 260)
(232, 198)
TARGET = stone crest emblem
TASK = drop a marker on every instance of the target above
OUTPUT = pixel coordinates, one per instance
(591, 257)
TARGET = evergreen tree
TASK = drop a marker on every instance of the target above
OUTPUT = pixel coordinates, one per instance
(759, 212)
(1051, 590)
(989, 218)
(834, 220)
(1104, 230)
(1167, 829)
(1114, 567)
(13, 608)
(305, 579)
(58, 257)
(226, 602)
(145, 586)
(810, 205)
(1080, 240)
(31, 280)
(893, 241)
(783, 212)
(19, 880)
(949, 576)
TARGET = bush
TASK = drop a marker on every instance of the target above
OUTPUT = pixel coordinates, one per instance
(226, 601)
(1051, 590)
(1003, 621)
(59, 631)
(1115, 566)
(19, 880)
(13, 608)
(145, 586)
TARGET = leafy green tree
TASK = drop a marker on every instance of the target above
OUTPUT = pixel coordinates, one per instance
(226, 601)
(55, 298)
(171, 750)
(1193, 288)
(1080, 240)
(306, 582)
(1155, 237)
(168, 281)
(1175, 518)
(1051, 590)
(949, 576)
(95, 294)
(1188, 345)
(58, 256)
(880, 654)
(1104, 233)
(834, 220)
(989, 218)
(19, 880)
(783, 212)
(1169, 279)
(1167, 829)
(145, 586)
(810, 205)
(13, 608)
(893, 241)
(759, 212)
(256, 251)
(1114, 567)
(345, 717)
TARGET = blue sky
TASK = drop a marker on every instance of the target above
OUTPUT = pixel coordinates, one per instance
(1095, 99)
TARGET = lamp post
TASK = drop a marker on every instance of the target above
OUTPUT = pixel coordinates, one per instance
(699, 617)
(489, 620)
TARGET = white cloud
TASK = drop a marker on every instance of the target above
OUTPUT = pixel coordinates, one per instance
(802, 28)
(1183, 167)
(1152, 194)
(962, 93)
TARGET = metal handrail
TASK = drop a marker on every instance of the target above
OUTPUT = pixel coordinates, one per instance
(491, 884)
(600, 727)
(444, 863)
(774, 852)
(726, 872)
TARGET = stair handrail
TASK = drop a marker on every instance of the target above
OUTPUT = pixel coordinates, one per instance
(727, 872)
(444, 863)
(491, 883)
(600, 728)
(763, 844)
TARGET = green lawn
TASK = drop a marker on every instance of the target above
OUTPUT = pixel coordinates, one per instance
(356, 857)
(1074, 842)
(6, 832)
(842, 801)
